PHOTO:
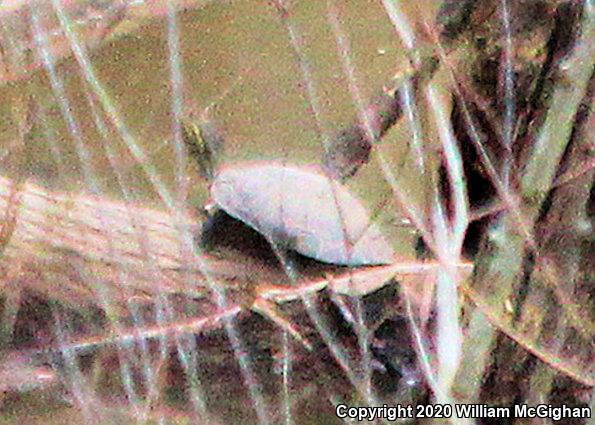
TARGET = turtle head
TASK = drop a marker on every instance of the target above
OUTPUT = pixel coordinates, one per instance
(205, 144)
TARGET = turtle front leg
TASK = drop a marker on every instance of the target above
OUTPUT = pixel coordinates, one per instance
(214, 215)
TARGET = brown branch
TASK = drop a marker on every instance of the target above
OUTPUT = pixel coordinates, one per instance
(69, 246)
(65, 245)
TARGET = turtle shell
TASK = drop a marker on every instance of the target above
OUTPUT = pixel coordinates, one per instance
(301, 209)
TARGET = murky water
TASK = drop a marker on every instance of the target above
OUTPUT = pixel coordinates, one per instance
(238, 50)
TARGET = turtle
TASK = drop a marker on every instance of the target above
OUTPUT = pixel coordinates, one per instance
(298, 208)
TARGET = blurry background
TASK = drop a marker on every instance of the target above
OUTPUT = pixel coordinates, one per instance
(98, 127)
